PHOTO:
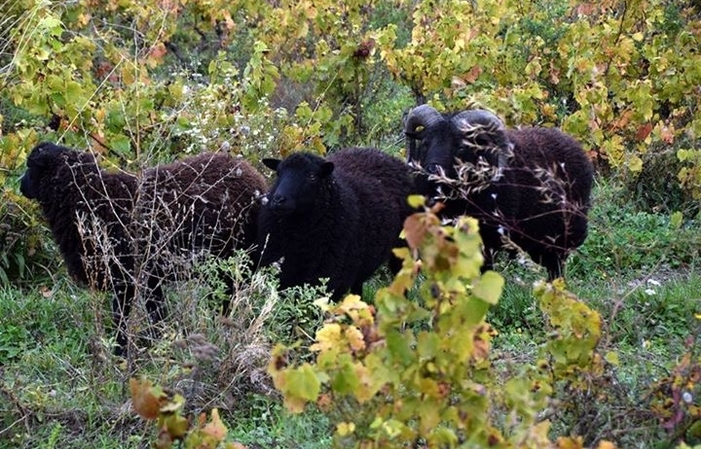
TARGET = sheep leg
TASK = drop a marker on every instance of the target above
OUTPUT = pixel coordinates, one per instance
(155, 304)
(122, 304)
(121, 307)
(395, 263)
(553, 264)
(357, 288)
(488, 263)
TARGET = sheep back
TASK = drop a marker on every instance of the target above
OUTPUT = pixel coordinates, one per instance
(335, 218)
(547, 190)
(205, 202)
(543, 199)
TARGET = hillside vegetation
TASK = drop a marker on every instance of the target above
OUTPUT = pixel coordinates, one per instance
(440, 355)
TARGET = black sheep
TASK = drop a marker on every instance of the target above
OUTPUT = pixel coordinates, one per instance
(113, 226)
(336, 218)
(529, 186)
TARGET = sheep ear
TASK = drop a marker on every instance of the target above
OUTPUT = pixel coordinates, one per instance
(43, 153)
(271, 163)
(326, 169)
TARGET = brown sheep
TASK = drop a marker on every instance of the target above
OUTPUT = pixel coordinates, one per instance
(112, 226)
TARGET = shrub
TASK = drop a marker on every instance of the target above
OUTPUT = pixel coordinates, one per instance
(28, 251)
(404, 372)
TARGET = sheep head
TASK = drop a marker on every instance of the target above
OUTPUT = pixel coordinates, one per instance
(436, 142)
(300, 178)
(44, 162)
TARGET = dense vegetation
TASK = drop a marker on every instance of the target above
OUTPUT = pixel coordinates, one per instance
(141, 82)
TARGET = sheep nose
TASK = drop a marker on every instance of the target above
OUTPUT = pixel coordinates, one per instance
(278, 200)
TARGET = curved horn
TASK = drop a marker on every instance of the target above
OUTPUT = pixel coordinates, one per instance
(479, 122)
(423, 115)
(481, 117)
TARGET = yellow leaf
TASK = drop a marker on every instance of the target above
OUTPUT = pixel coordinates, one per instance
(345, 428)
(173, 405)
(612, 358)
(355, 338)
(128, 74)
(145, 398)
(570, 443)
(635, 164)
(176, 425)
(637, 37)
(675, 221)
(416, 201)
(327, 337)
(351, 303)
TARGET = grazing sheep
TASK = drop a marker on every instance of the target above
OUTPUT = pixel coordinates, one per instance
(112, 228)
(529, 187)
(335, 218)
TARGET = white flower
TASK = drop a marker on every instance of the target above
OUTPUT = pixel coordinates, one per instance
(687, 397)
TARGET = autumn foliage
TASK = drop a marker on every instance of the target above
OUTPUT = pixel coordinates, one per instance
(404, 371)
(138, 82)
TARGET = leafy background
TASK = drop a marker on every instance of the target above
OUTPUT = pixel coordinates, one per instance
(144, 82)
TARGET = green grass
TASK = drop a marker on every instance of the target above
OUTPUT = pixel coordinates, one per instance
(61, 387)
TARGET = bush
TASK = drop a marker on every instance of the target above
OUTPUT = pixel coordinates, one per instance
(29, 254)
(404, 372)
(657, 187)
(624, 241)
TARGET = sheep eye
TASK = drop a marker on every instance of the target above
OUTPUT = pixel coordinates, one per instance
(482, 141)
(312, 177)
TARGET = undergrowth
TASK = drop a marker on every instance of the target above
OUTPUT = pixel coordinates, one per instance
(60, 386)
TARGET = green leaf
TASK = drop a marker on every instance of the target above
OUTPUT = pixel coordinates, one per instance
(345, 381)
(51, 24)
(489, 287)
(399, 347)
(428, 345)
(121, 145)
(676, 220)
(635, 164)
(303, 383)
(74, 94)
(416, 201)
(612, 358)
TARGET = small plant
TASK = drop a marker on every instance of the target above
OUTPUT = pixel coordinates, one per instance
(155, 404)
(676, 399)
(626, 242)
(28, 253)
(406, 372)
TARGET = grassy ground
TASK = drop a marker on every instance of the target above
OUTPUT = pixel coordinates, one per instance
(60, 386)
